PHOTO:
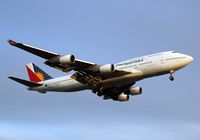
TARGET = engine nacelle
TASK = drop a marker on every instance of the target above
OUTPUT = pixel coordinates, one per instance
(67, 59)
(109, 68)
(135, 91)
(123, 97)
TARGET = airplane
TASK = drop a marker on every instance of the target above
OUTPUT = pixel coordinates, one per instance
(109, 81)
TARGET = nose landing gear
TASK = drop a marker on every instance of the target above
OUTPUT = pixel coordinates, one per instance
(171, 78)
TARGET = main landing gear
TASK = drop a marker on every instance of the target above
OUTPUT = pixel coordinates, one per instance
(171, 78)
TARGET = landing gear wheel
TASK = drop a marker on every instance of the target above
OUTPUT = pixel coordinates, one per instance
(99, 94)
(94, 91)
(171, 78)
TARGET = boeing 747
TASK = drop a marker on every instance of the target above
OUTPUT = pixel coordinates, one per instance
(110, 81)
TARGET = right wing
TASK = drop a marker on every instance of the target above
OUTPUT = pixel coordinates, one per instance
(52, 58)
(36, 51)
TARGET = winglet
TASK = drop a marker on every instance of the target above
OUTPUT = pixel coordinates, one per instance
(11, 42)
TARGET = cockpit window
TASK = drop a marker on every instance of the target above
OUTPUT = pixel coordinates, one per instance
(174, 52)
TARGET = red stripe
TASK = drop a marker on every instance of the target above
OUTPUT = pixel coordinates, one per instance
(33, 77)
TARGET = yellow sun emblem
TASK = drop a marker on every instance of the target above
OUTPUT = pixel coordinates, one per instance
(40, 75)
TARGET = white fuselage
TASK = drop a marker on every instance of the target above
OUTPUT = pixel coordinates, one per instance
(139, 68)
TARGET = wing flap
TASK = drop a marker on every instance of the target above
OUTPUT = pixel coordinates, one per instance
(64, 68)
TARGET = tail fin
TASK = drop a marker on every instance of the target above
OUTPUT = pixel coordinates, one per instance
(36, 74)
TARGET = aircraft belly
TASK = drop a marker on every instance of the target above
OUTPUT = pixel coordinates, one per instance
(69, 86)
(122, 80)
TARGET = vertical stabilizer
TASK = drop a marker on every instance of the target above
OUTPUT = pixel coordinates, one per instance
(36, 74)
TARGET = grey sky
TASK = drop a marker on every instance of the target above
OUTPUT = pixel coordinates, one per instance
(106, 31)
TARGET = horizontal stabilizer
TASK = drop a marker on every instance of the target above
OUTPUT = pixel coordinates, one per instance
(25, 82)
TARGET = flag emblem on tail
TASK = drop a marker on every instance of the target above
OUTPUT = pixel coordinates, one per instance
(36, 74)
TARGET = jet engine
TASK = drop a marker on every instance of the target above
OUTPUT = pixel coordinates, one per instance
(108, 68)
(67, 59)
(123, 97)
(135, 91)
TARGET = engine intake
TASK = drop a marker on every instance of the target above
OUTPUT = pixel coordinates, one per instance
(135, 91)
(123, 97)
(108, 68)
(67, 59)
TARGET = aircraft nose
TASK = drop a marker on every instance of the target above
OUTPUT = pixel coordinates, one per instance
(189, 59)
